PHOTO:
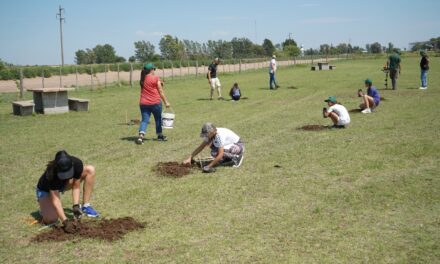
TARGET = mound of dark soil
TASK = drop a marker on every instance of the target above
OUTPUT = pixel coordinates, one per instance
(173, 169)
(105, 229)
(313, 127)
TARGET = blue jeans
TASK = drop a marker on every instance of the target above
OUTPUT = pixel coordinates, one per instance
(424, 78)
(146, 111)
(272, 80)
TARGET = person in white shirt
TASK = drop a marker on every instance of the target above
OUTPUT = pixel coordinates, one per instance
(337, 113)
(272, 71)
(226, 146)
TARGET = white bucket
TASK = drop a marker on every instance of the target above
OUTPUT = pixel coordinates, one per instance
(168, 120)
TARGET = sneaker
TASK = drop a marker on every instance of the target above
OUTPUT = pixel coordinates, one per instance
(162, 138)
(366, 111)
(277, 86)
(337, 126)
(89, 211)
(423, 88)
(139, 141)
(237, 159)
(221, 98)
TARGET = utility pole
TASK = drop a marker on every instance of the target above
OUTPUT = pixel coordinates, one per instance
(61, 18)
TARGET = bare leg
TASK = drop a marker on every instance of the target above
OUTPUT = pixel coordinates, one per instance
(88, 177)
(48, 211)
(219, 90)
(334, 117)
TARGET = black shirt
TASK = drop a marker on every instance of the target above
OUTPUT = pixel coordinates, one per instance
(44, 184)
(213, 70)
(424, 63)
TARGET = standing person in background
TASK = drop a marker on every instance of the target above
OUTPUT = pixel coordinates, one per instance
(213, 79)
(393, 64)
(150, 102)
(272, 70)
(370, 100)
(424, 68)
(235, 92)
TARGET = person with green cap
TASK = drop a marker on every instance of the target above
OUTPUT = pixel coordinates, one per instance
(337, 113)
(424, 67)
(370, 100)
(150, 102)
(393, 64)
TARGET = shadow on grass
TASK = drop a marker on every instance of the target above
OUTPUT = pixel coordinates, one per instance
(355, 110)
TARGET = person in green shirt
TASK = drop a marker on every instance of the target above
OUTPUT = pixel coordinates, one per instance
(393, 64)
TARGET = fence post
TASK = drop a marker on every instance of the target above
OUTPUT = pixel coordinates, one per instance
(172, 70)
(131, 75)
(187, 62)
(76, 77)
(180, 69)
(21, 84)
(197, 69)
(105, 75)
(61, 77)
(119, 81)
(163, 71)
(239, 66)
(42, 77)
(311, 55)
(91, 77)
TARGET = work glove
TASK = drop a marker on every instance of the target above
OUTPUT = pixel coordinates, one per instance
(76, 211)
(70, 226)
(207, 169)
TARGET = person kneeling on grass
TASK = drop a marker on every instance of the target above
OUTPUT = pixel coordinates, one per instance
(63, 173)
(235, 92)
(337, 112)
(370, 100)
(226, 147)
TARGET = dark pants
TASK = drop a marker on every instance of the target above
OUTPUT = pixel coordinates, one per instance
(235, 97)
(272, 80)
(393, 75)
(146, 111)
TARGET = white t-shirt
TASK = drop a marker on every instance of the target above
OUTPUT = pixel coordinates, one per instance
(225, 138)
(341, 111)
(272, 66)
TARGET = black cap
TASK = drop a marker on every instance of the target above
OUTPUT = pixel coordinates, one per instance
(64, 165)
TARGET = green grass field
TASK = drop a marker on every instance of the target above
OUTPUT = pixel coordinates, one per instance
(369, 193)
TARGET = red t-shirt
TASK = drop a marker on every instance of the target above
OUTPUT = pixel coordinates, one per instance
(150, 92)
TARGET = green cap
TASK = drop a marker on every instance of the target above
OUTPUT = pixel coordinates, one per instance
(368, 81)
(331, 99)
(149, 66)
(422, 52)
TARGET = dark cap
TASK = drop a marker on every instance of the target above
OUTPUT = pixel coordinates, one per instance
(64, 165)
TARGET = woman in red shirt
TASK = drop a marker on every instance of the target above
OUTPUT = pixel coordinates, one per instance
(150, 101)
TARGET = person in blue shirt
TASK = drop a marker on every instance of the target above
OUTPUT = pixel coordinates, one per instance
(370, 100)
(235, 92)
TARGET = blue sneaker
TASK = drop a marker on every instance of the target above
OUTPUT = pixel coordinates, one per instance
(89, 211)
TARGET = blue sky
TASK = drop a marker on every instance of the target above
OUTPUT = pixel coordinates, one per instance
(29, 29)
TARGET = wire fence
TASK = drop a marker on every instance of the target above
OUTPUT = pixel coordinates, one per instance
(115, 74)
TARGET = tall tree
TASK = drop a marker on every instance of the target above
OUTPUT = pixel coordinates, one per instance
(171, 48)
(242, 48)
(376, 47)
(144, 51)
(268, 47)
(105, 53)
(291, 50)
(288, 42)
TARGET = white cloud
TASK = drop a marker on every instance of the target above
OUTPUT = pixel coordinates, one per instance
(141, 33)
(309, 5)
(220, 33)
(327, 20)
(229, 18)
